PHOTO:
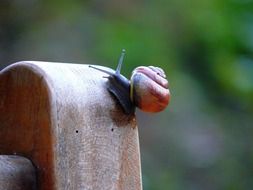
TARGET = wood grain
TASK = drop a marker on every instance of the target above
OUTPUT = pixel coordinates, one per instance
(16, 173)
(62, 117)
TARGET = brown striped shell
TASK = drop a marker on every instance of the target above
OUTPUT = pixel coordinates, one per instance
(149, 89)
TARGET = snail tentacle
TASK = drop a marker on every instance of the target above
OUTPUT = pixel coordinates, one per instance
(102, 70)
(120, 62)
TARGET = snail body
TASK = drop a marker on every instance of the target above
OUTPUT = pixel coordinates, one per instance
(147, 88)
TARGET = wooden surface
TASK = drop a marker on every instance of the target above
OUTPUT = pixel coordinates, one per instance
(16, 173)
(62, 118)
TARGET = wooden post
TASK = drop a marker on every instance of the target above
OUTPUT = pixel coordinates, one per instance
(62, 118)
(16, 173)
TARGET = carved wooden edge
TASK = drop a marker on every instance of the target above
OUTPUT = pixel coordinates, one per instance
(62, 118)
(16, 173)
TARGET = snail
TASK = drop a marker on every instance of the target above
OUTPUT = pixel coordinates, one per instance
(147, 88)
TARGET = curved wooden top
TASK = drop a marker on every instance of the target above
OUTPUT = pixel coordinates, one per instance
(62, 117)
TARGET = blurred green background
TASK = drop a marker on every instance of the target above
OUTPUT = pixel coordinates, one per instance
(204, 138)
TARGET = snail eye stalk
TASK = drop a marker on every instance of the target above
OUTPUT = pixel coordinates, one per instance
(120, 61)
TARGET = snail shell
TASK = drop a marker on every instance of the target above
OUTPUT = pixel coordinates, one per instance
(149, 89)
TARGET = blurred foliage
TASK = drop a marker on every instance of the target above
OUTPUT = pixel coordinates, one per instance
(204, 139)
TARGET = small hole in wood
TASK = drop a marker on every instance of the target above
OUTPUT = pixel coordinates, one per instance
(76, 131)
(112, 129)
